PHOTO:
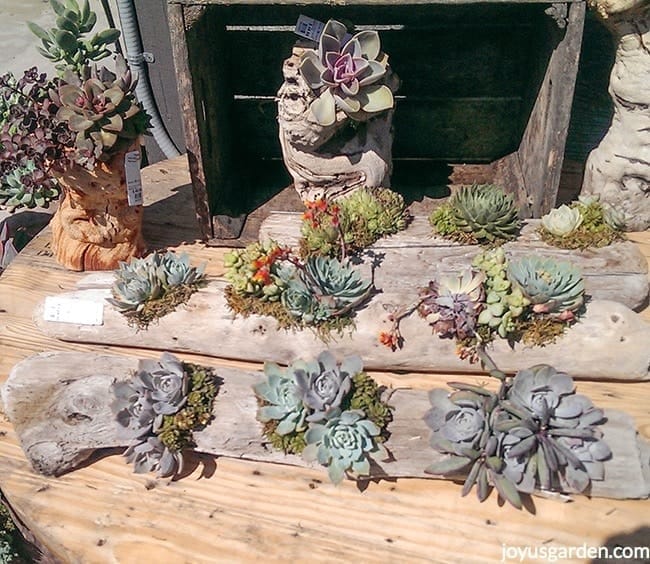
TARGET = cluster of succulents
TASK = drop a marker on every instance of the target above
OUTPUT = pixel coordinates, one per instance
(158, 408)
(346, 74)
(352, 223)
(148, 288)
(480, 213)
(328, 411)
(267, 279)
(587, 222)
(27, 187)
(535, 432)
(504, 303)
(67, 44)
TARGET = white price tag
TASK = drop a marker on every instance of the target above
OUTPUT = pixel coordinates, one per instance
(71, 310)
(309, 28)
(133, 179)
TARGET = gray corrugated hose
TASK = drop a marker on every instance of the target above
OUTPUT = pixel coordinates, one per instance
(133, 44)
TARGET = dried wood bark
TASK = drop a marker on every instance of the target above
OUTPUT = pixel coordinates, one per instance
(59, 404)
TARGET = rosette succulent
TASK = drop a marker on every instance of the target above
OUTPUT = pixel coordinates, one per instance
(346, 74)
(27, 186)
(552, 287)
(281, 400)
(451, 304)
(344, 443)
(324, 383)
(562, 221)
(176, 270)
(151, 455)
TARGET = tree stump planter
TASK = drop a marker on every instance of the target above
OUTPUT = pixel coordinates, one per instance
(94, 227)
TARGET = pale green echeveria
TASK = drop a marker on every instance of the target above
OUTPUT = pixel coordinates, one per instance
(562, 221)
(176, 270)
(136, 282)
(553, 287)
(466, 282)
(345, 74)
(302, 304)
(324, 383)
(151, 455)
(281, 400)
(345, 444)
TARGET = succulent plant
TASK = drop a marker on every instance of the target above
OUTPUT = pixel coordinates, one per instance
(451, 304)
(27, 186)
(562, 221)
(324, 383)
(486, 212)
(613, 217)
(102, 110)
(67, 43)
(344, 443)
(176, 270)
(346, 73)
(503, 303)
(281, 400)
(553, 287)
(151, 455)
(323, 288)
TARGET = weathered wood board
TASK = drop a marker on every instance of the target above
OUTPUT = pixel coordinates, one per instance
(618, 272)
(609, 342)
(59, 404)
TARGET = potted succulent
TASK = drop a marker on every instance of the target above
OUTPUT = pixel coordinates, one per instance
(99, 124)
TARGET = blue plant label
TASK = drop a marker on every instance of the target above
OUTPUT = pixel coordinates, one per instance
(309, 28)
(133, 178)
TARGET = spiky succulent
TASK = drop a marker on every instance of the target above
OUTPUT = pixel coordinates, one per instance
(346, 73)
(281, 400)
(324, 383)
(27, 186)
(324, 288)
(562, 221)
(552, 287)
(68, 43)
(451, 304)
(481, 213)
(344, 443)
(503, 302)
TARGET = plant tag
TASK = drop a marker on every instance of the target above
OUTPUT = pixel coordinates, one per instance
(133, 179)
(309, 28)
(70, 310)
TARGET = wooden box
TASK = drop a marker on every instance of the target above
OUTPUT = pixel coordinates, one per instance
(486, 94)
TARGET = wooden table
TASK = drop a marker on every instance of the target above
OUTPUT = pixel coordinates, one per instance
(241, 511)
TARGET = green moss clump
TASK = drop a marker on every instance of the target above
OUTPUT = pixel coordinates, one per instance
(541, 330)
(152, 310)
(291, 443)
(366, 396)
(176, 431)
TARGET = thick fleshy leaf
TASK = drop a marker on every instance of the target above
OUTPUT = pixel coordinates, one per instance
(286, 426)
(311, 70)
(577, 478)
(523, 447)
(482, 486)
(350, 90)
(352, 48)
(377, 99)
(347, 104)
(77, 122)
(361, 467)
(324, 108)
(448, 465)
(369, 44)
(335, 29)
(327, 45)
(600, 451)
(506, 489)
(114, 124)
(471, 478)
(336, 472)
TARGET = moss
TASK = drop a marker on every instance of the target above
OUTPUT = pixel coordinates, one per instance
(176, 431)
(584, 237)
(155, 309)
(291, 443)
(541, 330)
(366, 396)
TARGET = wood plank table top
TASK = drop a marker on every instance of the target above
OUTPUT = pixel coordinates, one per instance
(231, 510)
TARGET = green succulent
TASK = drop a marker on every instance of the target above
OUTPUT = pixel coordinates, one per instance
(346, 442)
(176, 270)
(68, 43)
(552, 287)
(481, 213)
(281, 400)
(27, 187)
(562, 221)
(101, 108)
(504, 304)
(346, 73)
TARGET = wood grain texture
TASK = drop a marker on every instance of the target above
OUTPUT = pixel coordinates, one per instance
(242, 510)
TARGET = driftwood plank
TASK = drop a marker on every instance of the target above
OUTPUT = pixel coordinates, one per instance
(59, 404)
(618, 272)
(609, 342)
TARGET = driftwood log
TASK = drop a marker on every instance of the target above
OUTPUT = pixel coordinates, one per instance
(59, 404)
(94, 227)
(329, 160)
(619, 168)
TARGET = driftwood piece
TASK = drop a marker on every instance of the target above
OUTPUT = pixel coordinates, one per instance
(609, 342)
(94, 227)
(59, 404)
(322, 160)
(619, 168)
(412, 257)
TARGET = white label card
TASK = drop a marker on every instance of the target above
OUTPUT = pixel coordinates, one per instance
(71, 310)
(133, 179)
(309, 28)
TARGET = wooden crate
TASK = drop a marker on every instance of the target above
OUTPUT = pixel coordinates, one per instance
(486, 94)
